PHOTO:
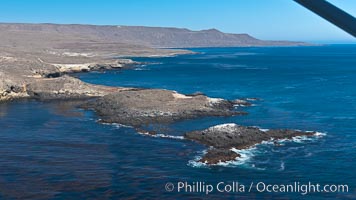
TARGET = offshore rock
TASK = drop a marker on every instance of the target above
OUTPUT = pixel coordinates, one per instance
(224, 137)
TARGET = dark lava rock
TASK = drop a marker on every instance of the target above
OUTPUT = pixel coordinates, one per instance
(214, 156)
(146, 132)
(222, 138)
(235, 136)
(142, 107)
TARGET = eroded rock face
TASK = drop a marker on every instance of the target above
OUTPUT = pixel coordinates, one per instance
(11, 88)
(227, 136)
(66, 87)
(97, 66)
(214, 156)
(235, 136)
(139, 107)
(22, 77)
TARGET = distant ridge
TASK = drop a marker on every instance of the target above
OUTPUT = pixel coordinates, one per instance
(157, 37)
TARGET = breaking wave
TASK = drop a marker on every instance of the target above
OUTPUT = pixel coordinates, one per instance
(243, 160)
(177, 137)
(302, 139)
(246, 155)
(117, 125)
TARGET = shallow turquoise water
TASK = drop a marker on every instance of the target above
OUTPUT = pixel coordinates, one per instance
(49, 150)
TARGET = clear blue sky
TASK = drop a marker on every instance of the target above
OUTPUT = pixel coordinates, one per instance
(272, 19)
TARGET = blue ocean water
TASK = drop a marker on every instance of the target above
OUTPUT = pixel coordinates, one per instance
(54, 151)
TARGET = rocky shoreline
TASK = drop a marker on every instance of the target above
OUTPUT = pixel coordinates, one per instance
(140, 108)
(20, 78)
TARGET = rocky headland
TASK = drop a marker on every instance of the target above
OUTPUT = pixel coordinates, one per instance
(140, 107)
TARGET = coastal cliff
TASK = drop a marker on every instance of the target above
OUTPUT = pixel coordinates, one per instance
(28, 78)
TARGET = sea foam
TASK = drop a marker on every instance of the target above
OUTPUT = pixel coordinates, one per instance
(247, 154)
(245, 157)
(177, 137)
